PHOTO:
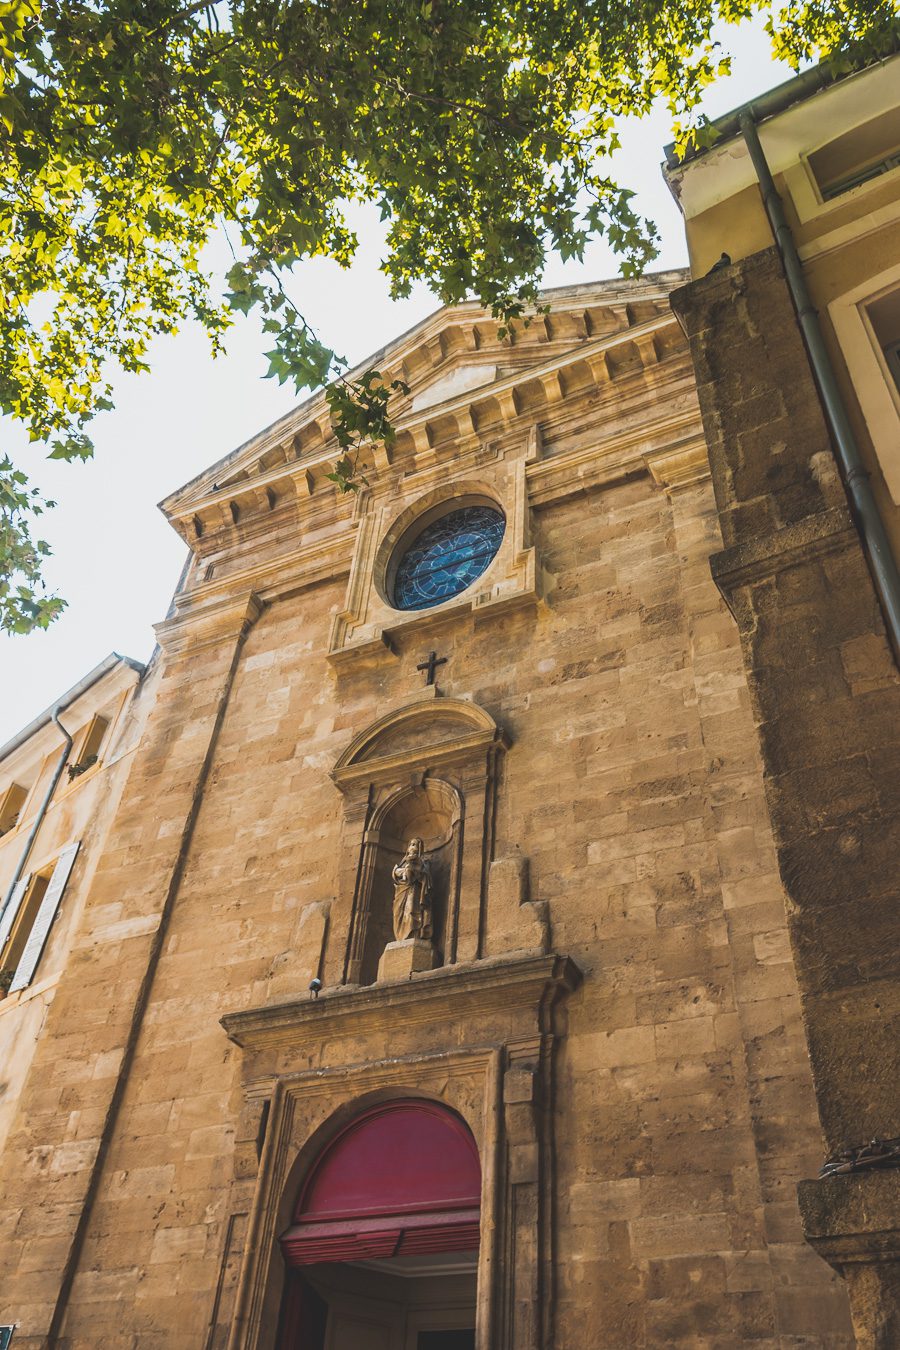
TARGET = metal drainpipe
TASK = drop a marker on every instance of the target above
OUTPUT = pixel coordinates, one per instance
(856, 478)
(42, 811)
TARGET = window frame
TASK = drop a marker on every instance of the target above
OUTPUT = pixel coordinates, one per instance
(12, 804)
(87, 745)
(36, 900)
(875, 384)
(410, 538)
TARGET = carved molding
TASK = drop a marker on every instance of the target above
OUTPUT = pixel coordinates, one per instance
(433, 997)
(794, 545)
(368, 621)
(224, 617)
(679, 465)
(268, 579)
(493, 1028)
(441, 742)
(591, 397)
(302, 442)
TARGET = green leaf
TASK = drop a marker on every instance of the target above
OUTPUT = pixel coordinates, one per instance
(134, 136)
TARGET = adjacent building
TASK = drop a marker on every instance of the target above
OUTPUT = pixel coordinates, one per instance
(794, 337)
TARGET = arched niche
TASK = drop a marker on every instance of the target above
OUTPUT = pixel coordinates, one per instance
(431, 811)
(427, 770)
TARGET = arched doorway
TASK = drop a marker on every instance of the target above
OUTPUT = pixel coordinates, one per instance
(383, 1249)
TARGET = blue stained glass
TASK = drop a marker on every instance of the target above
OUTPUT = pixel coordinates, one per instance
(448, 556)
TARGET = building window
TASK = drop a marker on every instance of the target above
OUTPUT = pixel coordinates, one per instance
(86, 750)
(866, 152)
(884, 316)
(446, 556)
(25, 925)
(11, 803)
(31, 900)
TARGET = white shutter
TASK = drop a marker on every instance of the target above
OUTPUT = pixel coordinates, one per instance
(45, 916)
(12, 909)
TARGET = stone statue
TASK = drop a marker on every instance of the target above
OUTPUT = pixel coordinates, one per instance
(412, 894)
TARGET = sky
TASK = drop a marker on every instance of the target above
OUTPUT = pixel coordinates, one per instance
(115, 558)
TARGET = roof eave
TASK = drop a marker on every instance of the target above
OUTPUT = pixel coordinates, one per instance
(65, 700)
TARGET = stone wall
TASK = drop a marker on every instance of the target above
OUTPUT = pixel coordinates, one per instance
(683, 1106)
(826, 697)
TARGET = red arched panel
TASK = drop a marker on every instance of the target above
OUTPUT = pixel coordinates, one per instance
(402, 1178)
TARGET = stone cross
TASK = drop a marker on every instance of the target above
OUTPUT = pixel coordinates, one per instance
(431, 665)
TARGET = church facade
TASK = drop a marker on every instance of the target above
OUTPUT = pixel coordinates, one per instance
(477, 924)
(429, 983)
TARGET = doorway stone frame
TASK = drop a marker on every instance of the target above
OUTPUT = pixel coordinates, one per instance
(311, 1065)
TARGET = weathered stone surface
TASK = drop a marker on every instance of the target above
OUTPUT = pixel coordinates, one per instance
(826, 699)
(514, 921)
(640, 1094)
(399, 960)
(294, 969)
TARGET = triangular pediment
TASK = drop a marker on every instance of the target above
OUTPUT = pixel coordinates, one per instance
(458, 379)
(451, 360)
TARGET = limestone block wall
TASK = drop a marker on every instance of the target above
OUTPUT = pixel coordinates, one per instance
(684, 1111)
(633, 785)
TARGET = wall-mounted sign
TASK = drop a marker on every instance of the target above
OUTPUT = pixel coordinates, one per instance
(6, 1336)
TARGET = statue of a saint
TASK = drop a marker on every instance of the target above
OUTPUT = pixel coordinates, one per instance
(412, 894)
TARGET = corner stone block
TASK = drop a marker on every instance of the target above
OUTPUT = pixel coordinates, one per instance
(514, 923)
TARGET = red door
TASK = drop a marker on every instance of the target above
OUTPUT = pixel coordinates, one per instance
(403, 1179)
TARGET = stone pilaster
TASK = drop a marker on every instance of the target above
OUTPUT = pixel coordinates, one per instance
(68, 1107)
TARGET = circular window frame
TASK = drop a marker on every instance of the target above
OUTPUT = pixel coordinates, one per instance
(407, 528)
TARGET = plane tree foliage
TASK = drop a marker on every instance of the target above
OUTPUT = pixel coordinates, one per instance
(133, 132)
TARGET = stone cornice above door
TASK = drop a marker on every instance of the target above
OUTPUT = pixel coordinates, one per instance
(501, 986)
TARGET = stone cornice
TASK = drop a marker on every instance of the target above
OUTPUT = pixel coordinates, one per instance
(827, 532)
(228, 617)
(669, 446)
(853, 1219)
(437, 340)
(680, 464)
(444, 752)
(456, 420)
(654, 447)
(269, 579)
(357, 763)
(435, 996)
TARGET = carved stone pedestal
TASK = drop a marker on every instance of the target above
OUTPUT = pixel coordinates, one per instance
(399, 960)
